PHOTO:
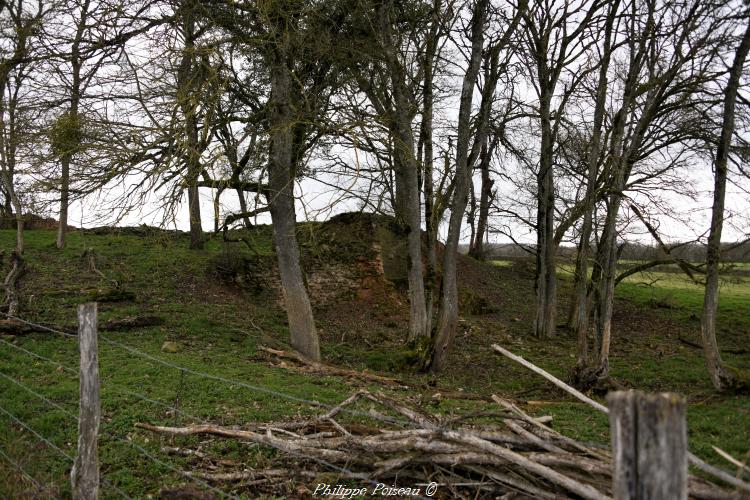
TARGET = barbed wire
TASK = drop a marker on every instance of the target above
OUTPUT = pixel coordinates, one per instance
(321, 461)
(40, 488)
(118, 387)
(107, 433)
(41, 437)
(67, 412)
(342, 470)
(48, 401)
(37, 325)
(218, 378)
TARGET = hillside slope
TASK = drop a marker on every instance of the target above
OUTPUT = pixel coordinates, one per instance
(219, 305)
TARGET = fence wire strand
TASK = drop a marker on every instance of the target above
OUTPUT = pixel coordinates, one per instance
(263, 390)
(22, 471)
(342, 470)
(119, 388)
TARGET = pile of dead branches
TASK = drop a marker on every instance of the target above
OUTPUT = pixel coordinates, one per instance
(503, 452)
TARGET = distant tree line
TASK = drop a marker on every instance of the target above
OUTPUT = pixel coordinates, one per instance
(691, 251)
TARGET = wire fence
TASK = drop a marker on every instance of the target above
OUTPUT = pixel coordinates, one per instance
(172, 407)
(153, 458)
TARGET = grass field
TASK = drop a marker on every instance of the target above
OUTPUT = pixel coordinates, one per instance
(218, 329)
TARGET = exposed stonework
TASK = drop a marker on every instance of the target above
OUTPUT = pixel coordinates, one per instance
(31, 221)
(345, 261)
(329, 283)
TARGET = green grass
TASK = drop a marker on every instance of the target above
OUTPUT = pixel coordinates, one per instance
(217, 332)
(219, 328)
(653, 311)
(685, 297)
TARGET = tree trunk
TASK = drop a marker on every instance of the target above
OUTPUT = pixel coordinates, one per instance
(428, 168)
(485, 199)
(606, 295)
(10, 189)
(580, 313)
(8, 143)
(7, 206)
(187, 75)
(75, 98)
(408, 193)
(448, 314)
(546, 279)
(62, 226)
(431, 272)
(408, 207)
(721, 377)
(304, 337)
(243, 208)
(621, 157)
(196, 230)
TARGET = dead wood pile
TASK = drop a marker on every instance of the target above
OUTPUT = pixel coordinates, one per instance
(501, 452)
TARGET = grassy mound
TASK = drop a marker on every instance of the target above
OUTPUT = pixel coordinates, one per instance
(216, 324)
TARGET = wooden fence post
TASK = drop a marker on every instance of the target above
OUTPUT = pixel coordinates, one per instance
(84, 476)
(649, 446)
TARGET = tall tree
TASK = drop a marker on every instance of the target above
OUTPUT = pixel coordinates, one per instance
(593, 162)
(437, 28)
(191, 75)
(80, 42)
(406, 168)
(659, 88)
(448, 314)
(383, 74)
(465, 157)
(721, 377)
(15, 67)
(297, 45)
(556, 36)
(69, 124)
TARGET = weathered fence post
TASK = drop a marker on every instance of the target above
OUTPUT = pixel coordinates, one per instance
(649, 446)
(85, 474)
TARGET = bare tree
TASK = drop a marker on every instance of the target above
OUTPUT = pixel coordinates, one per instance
(395, 101)
(722, 377)
(658, 89)
(21, 25)
(593, 162)
(81, 41)
(448, 314)
(296, 44)
(555, 39)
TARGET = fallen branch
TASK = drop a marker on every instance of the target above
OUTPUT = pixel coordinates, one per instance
(547, 431)
(559, 383)
(694, 460)
(698, 346)
(583, 490)
(246, 475)
(324, 369)
(474, 461)
(729, 458)
(130, 323)
(13, 326)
